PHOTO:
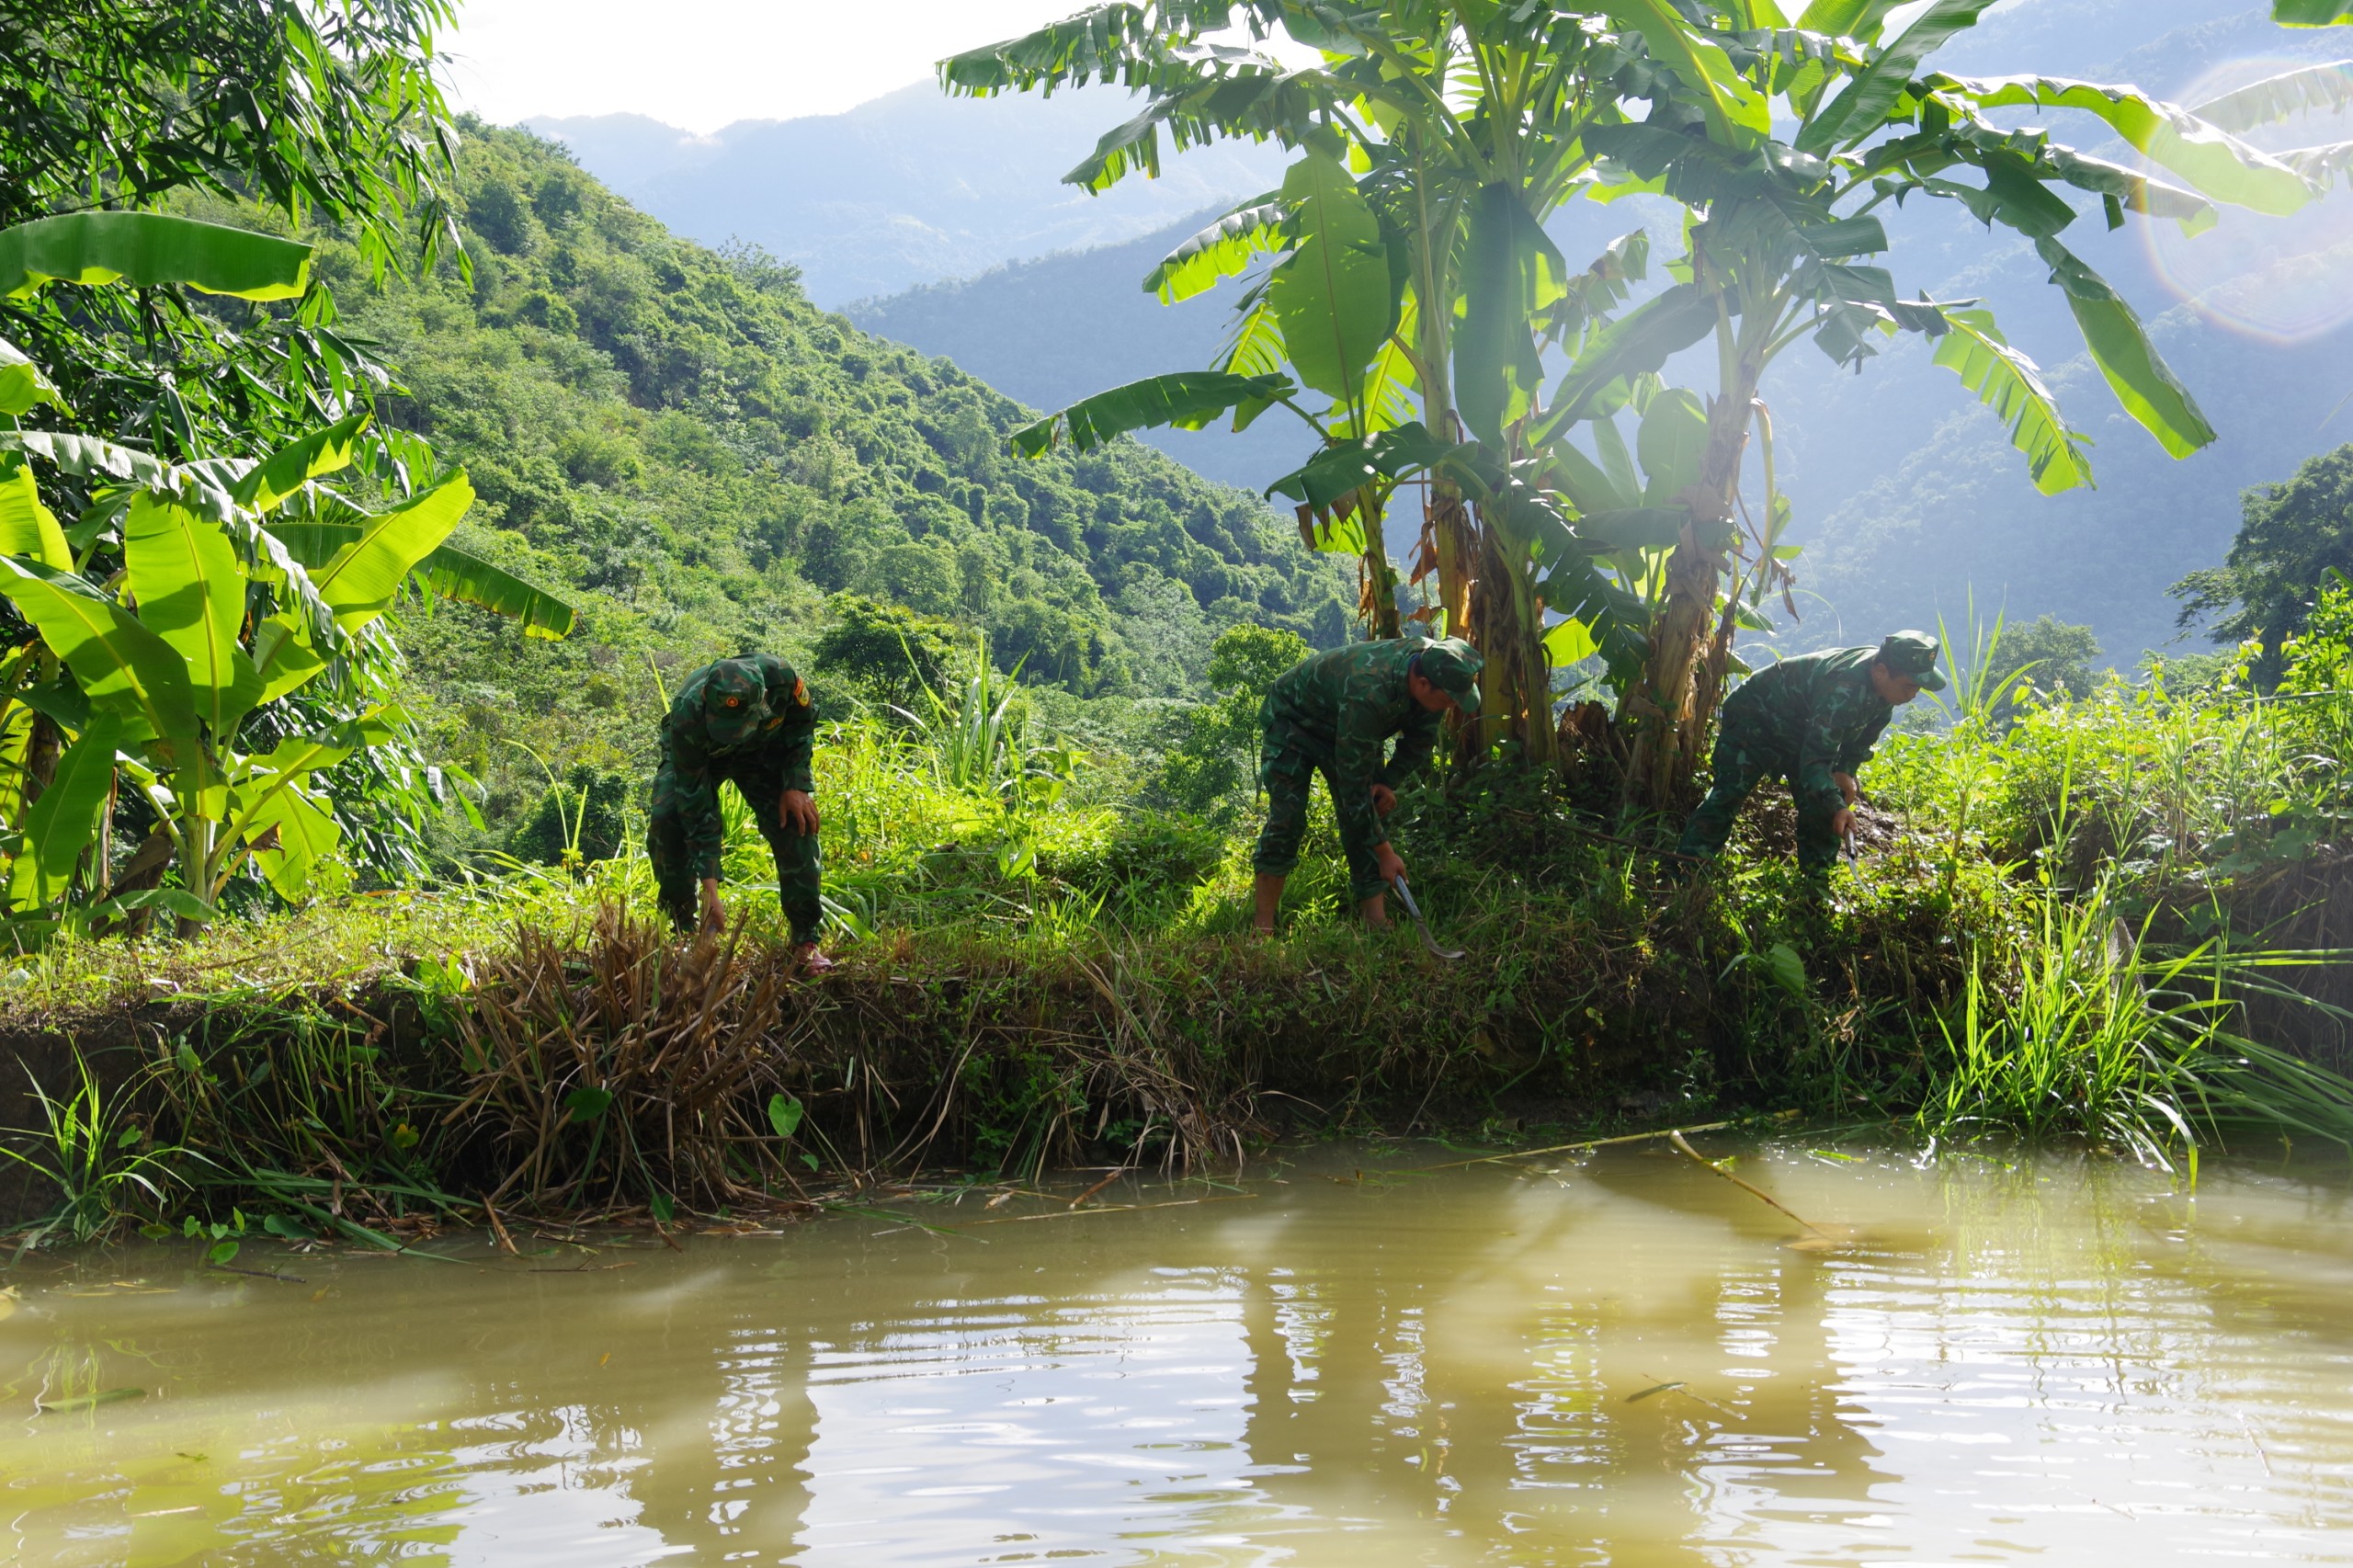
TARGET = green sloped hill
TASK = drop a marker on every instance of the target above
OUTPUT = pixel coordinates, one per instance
(682, 443)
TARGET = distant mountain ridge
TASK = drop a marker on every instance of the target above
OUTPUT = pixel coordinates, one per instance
(909, 189)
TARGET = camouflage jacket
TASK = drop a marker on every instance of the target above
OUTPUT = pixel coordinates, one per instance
(1337, 710)
(693, 764)
(1810, 717)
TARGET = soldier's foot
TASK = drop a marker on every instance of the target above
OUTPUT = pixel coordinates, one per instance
(809, 958)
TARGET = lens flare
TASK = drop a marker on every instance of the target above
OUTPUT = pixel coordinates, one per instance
(2282, 280)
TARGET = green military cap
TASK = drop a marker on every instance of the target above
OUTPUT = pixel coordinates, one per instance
(1913, 654)
(734, 701)
(1452, 665)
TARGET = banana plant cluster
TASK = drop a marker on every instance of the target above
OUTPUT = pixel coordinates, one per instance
(187, 599)
(1437, 136)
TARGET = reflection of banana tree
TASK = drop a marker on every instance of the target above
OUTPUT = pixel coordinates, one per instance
(218, 607)
(1781, 244)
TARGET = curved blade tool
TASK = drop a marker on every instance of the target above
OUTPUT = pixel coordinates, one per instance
(1415, 910)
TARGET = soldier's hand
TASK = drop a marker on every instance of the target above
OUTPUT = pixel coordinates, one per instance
(1842, 822)
(1392, 867)
(714, 914)
(1384, 799)
(799, 812)
(1847, 786)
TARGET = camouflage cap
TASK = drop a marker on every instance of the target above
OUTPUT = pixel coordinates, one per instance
(1452, 665)
(1913, 654)
(734, 701)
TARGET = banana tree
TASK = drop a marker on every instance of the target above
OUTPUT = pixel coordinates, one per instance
(1783, 238)
(1462, 128)
(186, 597)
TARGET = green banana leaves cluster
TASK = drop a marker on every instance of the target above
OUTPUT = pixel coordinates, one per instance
(1412, 285)
(186, 597)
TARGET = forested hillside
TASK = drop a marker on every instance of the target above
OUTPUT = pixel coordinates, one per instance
(681, 442)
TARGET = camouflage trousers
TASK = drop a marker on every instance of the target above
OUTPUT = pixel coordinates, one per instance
(1286, 775)
(797, 867)
(1742, 763)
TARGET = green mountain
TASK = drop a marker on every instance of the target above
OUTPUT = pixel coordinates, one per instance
(678, 440)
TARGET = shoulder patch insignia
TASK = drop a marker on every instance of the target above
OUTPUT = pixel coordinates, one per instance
(799, 693)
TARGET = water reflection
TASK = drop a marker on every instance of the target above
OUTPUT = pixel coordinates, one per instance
(1616, 1360)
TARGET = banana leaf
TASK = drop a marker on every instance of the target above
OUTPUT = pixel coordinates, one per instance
(146, 249)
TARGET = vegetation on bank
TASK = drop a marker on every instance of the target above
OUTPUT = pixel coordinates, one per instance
(2082, 917)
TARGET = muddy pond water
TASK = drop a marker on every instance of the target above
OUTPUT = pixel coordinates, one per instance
(1617, 1358)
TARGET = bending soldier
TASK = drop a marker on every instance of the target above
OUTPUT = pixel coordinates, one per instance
(1333, 714)
(746, 720)
(1813, 720)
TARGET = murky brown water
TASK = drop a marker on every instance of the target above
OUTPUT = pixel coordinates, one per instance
(2059, 1360)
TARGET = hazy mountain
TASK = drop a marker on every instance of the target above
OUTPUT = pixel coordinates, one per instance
(910, 188)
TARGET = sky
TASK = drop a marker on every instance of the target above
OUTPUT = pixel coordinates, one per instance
(700, 64)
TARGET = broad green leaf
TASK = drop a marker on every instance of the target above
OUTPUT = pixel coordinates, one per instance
(27, 528)
(22, 385)
(784, 1114)
(62, 822)
(1642, 340)
(1220, 251)
(1861, 108)
(2214, 161)
(2009, 383)
(1856, 19)
(1511, 274)
(1255, 345)
(88, 457)
(1332, 295)
(149, 248)
(283, 657)
(1617, 462)
(1569, 642)
(1637, 528)
(2310, 89)
(1330, 533)
(296, 464)
(457, 574)
(359, 582)
(2311, 13)
(1345, 466)
(123, 667)
(2143, 383)
(1187, 399)
(587, 1103)
(1738, 115)
(305, 834)
(191, 592)
(1583, 481)
(1672, 442)
(2135, 192)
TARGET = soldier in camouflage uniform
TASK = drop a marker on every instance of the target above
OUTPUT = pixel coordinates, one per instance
(1334, 714)
(1813, 720)
(748, 720)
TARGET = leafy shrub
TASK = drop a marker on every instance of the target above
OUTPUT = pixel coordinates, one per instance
(888, 654)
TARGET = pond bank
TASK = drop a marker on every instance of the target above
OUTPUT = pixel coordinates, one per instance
(583, 1059)
(397, 1059)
